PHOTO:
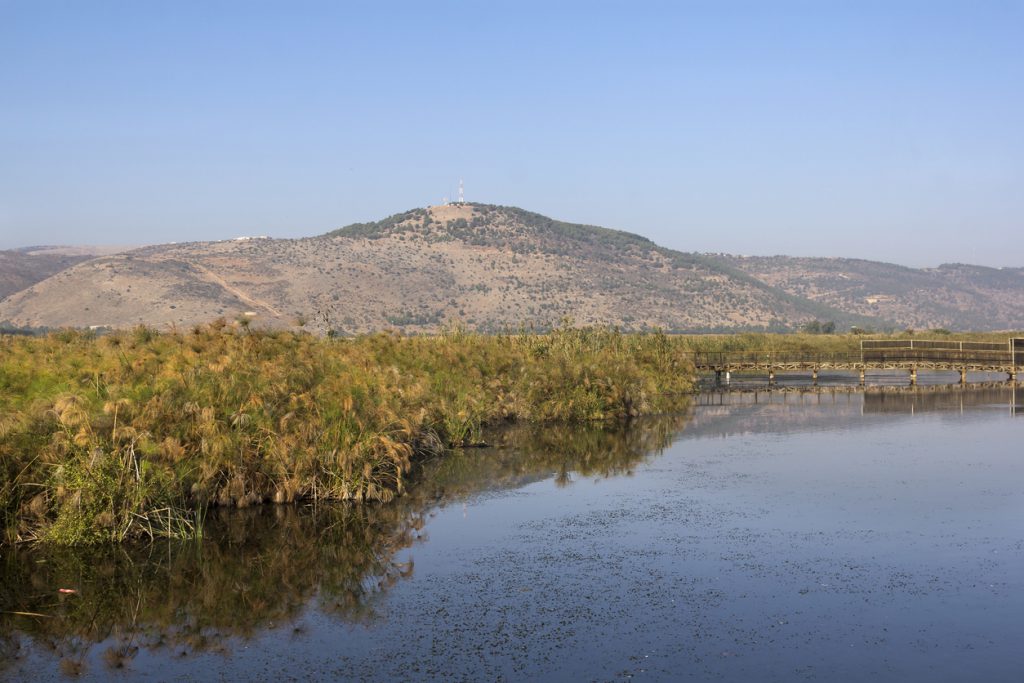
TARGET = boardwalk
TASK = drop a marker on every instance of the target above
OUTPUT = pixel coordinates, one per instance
(878, 354)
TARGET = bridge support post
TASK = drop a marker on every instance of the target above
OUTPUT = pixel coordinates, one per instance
(913, 376)
(862, 376)
(1013, 375)
(718, 376)
(814, 376)
(963, 375)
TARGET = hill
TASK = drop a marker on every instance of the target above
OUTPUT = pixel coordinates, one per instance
(488, 267)
(22, 268)
(955, 296)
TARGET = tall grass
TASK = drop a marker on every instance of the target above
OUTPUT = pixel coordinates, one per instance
(127, 435)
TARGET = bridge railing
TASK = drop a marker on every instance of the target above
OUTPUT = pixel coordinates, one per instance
(932, 344)
(937, 356)
(878, 351)
(723, 359)
(935, 351)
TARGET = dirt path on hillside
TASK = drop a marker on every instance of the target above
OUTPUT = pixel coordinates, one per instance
(252, 301)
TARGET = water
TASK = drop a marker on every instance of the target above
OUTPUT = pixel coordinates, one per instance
(791, 534)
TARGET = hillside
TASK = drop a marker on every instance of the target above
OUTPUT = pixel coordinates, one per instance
(487, 267)
(955, 296)
(22, 268)
(492, 267)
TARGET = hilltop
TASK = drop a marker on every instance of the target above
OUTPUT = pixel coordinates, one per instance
(493, 267)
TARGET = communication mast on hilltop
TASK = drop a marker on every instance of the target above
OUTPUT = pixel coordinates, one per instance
(462, 196)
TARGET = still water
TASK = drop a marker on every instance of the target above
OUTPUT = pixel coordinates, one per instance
(825, 534)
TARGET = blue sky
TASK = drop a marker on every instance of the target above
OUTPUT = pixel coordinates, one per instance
(882, 130)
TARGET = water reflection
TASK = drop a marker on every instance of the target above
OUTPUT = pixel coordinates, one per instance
(256, 569)
(940, 398)
(532, 453)
(261, 571)
(879, 399)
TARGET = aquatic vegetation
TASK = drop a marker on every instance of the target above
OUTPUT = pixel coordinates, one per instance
(104, 438)
(261, 567)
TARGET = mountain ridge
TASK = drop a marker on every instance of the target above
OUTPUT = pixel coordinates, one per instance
(493, 267)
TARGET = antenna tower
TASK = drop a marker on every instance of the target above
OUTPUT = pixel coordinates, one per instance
(462, 195)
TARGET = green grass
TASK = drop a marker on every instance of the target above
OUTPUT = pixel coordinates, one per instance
(129, 435)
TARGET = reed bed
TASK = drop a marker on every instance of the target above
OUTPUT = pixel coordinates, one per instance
(135, 433)
(186, 595)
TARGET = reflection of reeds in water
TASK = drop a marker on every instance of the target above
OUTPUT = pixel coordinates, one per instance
(262, 566)
(529, 452)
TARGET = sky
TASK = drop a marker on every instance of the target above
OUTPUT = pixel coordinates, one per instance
(889, 130)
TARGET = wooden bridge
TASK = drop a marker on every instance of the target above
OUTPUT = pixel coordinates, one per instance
(877, 354)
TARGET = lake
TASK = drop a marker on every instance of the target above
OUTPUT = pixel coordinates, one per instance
(832, 533)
